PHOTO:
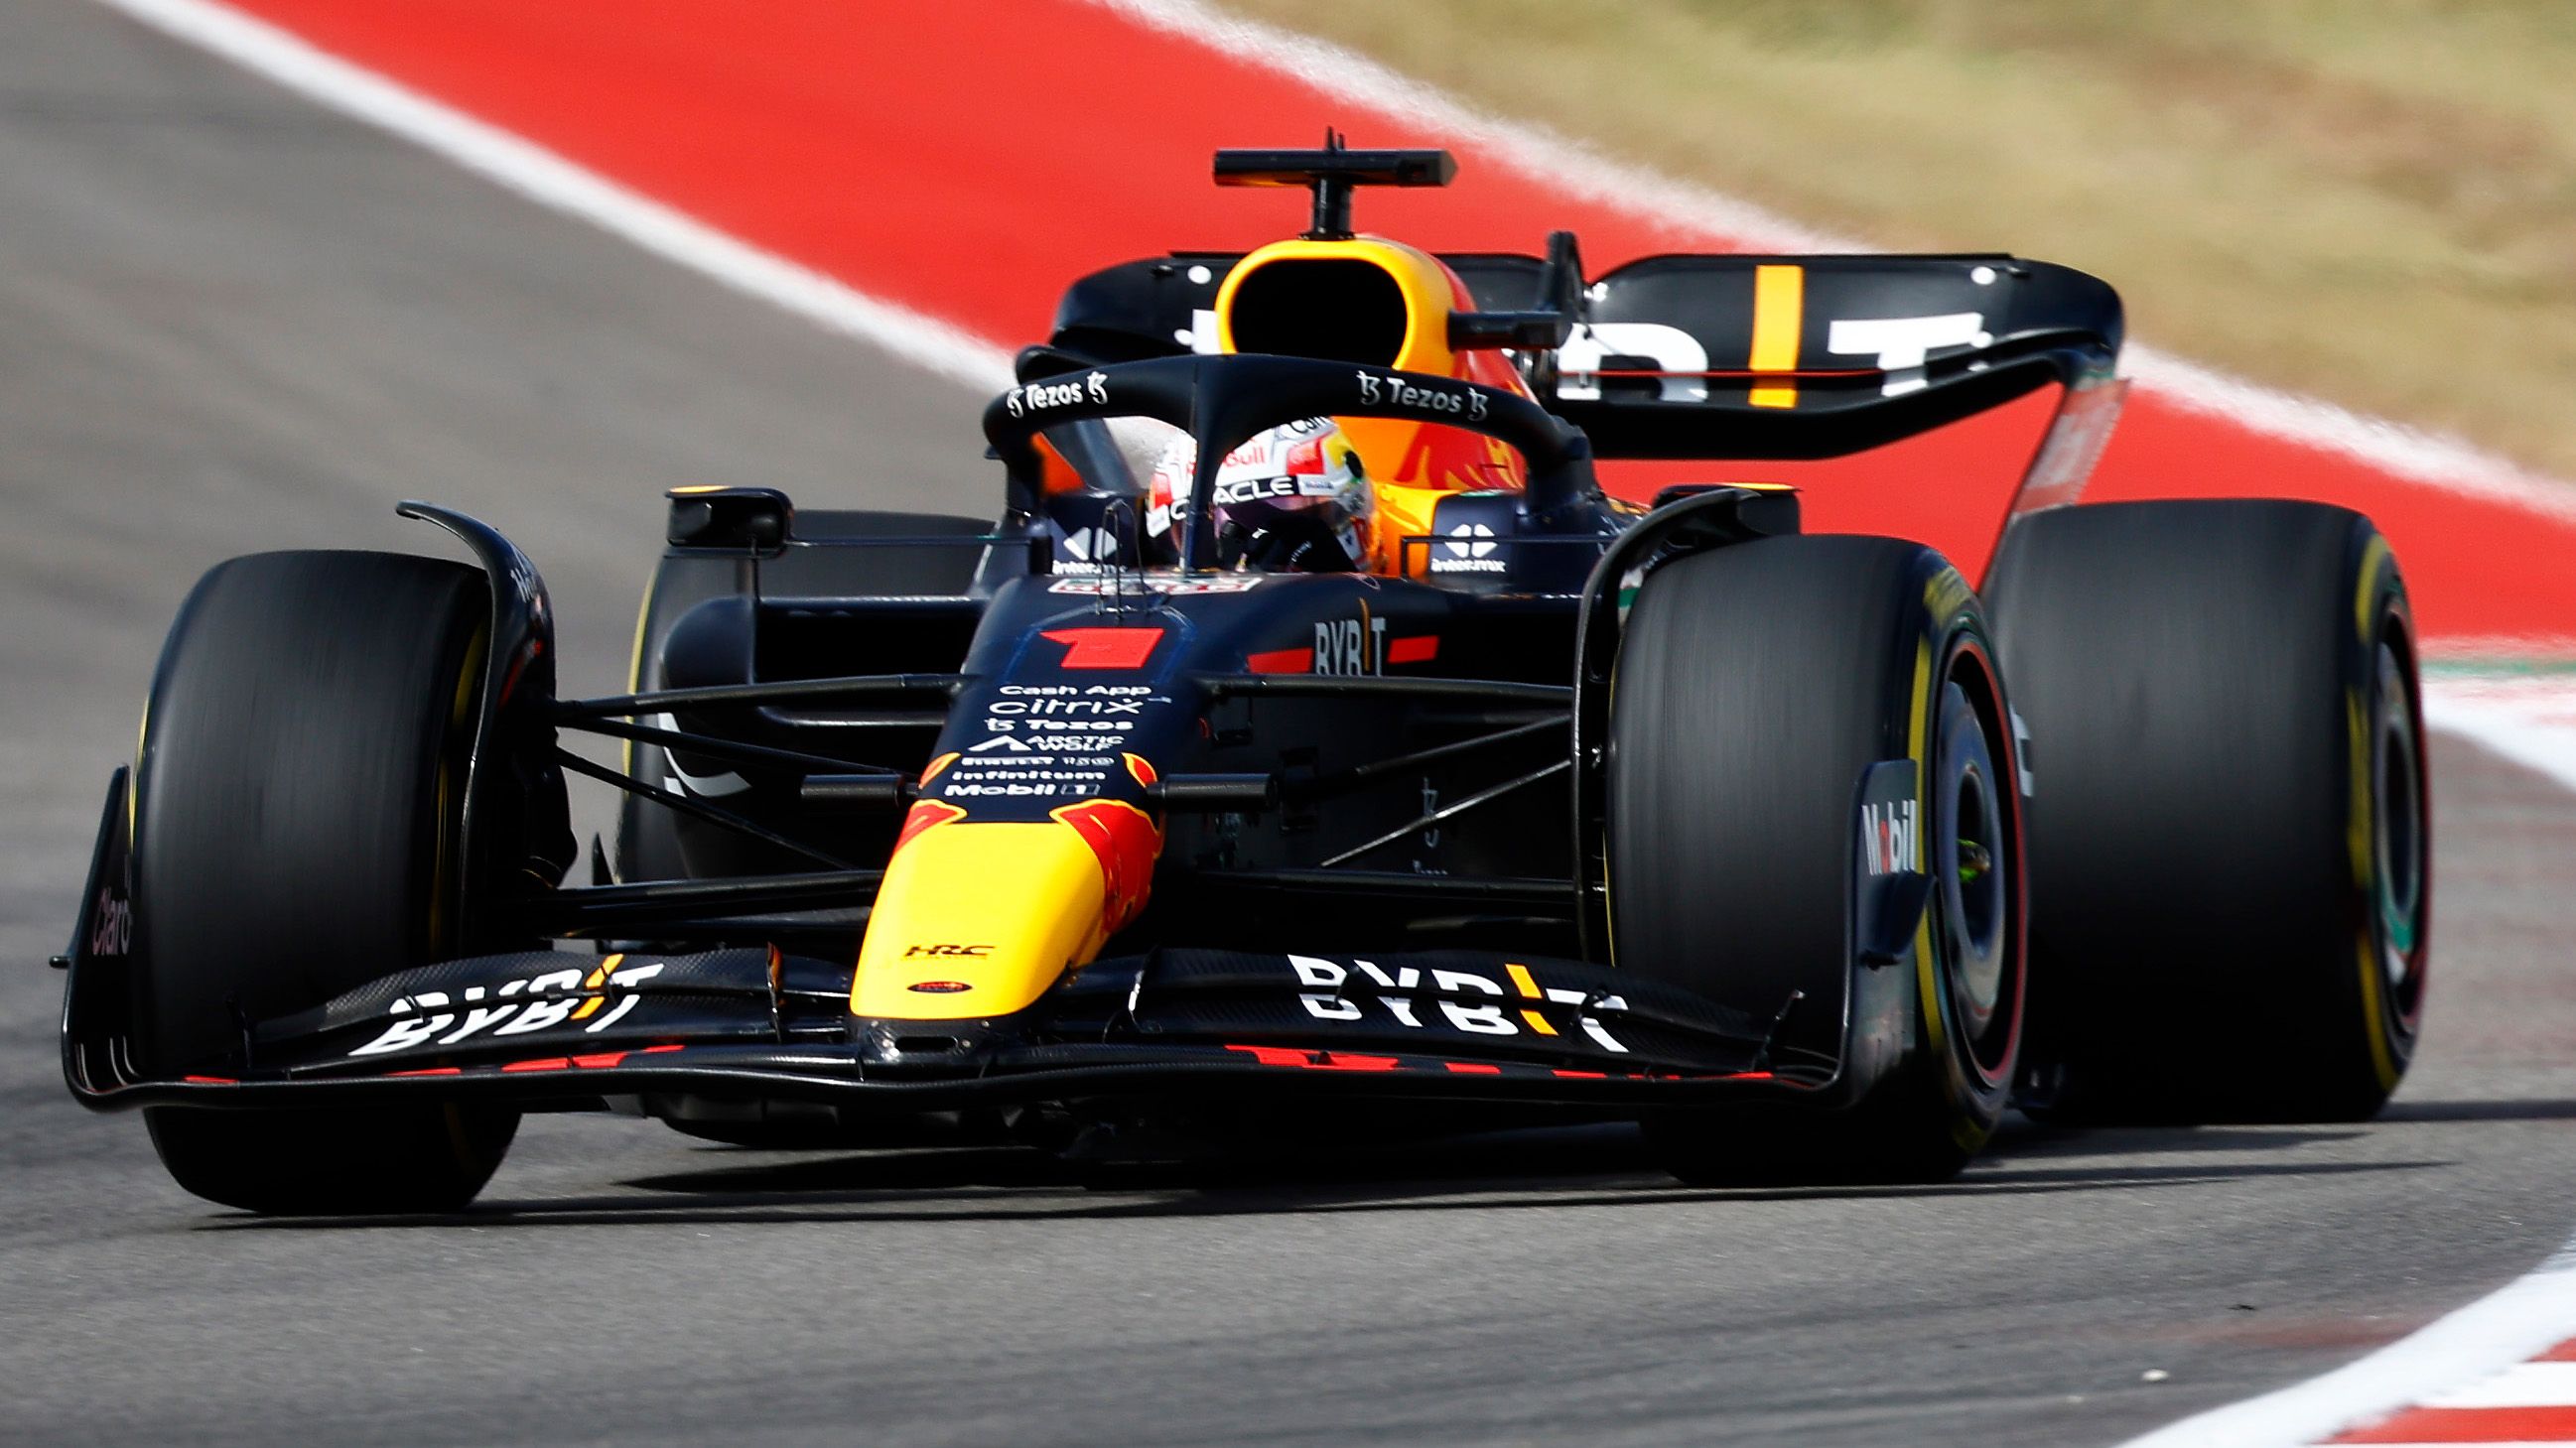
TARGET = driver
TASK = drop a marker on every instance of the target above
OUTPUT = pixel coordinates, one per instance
(1293, 499)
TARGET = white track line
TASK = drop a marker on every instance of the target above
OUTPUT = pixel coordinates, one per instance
(2492, 1333)
(2410, 454)
(551, 180)
(2531, 721)
(2524, 1385)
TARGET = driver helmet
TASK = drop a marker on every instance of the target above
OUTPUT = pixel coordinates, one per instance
(1292, 499)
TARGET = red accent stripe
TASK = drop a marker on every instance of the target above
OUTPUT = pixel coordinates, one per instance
(549, 1063)
(1106, 648)
(1421, 650)
(608, 1058)
(1281, 661)
(1273, 1055)
(431, 1071)
(1470, 1068)
(2469, 1425)
(2565, 1352)
(924, 814)
(1126, 841)
(210, 1080)
(1581, 1075)
(658, 1050)
(1345, 1061)
(1316, 1060)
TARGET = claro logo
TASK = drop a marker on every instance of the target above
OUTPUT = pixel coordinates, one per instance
(112, 928)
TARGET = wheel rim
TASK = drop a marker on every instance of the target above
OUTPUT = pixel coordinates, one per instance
(2397, 833)
(1973, 858)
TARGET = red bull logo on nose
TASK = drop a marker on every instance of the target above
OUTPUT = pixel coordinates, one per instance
(1127, 842)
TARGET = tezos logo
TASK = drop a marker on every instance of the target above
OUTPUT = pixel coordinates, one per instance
(1467, 403)
(1021, 401)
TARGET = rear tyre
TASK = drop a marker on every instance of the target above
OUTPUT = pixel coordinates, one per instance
(2230, 828)
(653, 842)
(649, 835)
(1756, 683)
(296, 834)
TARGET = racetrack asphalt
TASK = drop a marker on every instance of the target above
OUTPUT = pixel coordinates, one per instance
(229, 322)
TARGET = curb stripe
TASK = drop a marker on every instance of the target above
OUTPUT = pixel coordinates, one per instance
(2526, 1318)
(2539, 1383)
(2469, 1425)
(551, 181)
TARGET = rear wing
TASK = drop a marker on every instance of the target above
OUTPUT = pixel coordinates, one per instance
(1735, 357)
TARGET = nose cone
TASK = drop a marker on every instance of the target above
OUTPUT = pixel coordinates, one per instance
(977, 919)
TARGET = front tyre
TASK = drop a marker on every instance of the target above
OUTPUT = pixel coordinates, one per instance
(1756, 685)
(296, 833)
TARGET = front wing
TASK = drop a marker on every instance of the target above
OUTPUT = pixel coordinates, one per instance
(751, 1023)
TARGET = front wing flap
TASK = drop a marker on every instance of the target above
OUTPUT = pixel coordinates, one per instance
(751, 1022)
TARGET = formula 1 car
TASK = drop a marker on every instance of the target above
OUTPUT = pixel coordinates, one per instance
(1800, 850)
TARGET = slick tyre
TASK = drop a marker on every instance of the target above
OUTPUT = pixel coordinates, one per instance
(2230, 844)
(1755, 686)
(649, 835)
(295, 834)
(653, 842)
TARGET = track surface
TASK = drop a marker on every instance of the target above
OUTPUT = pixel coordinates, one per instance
(229, 322)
